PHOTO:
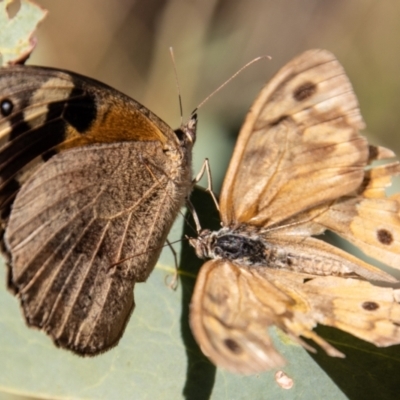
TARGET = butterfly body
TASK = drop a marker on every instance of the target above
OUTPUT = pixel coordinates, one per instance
(300, 167)
(264, 249)
(90, 184)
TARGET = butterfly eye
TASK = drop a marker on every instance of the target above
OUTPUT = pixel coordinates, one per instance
(6, 107)
(179, 134)
(370, 305)
(384, 236)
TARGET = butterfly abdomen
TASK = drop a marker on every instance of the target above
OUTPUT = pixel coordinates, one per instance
(309, 265)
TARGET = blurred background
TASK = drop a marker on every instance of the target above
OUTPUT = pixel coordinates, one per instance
(126, 44)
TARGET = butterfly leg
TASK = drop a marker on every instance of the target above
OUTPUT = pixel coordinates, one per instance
(205, 168)
(173, 284)
(192, 210)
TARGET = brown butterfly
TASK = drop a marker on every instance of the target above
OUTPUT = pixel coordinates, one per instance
(88, 177)
(300, 167)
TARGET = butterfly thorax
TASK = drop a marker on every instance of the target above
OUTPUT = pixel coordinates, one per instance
(231, 245)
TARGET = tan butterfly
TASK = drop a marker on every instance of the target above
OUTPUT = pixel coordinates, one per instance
(299, 167)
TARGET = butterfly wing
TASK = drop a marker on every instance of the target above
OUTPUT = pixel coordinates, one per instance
(81, 213)
(230, 331)
(369, 312)
(232, 308)
(88, 178)
(299, 145)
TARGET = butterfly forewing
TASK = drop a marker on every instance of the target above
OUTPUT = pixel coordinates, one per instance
(299, 145)
(45, 111)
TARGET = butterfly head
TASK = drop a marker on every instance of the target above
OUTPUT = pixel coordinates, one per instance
(186, 134)
(204, 243)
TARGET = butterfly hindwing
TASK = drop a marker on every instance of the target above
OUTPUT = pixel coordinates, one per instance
(218, 326)
(369, 219)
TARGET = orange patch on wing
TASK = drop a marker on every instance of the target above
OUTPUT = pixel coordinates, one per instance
(114, 126)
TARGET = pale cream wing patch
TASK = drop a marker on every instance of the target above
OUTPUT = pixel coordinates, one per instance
(233, 306)
(299, 145)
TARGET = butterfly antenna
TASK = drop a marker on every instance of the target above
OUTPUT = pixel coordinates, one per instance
(171, 51)
(230, 79)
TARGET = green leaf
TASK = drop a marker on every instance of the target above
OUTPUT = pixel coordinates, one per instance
(16, 34)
